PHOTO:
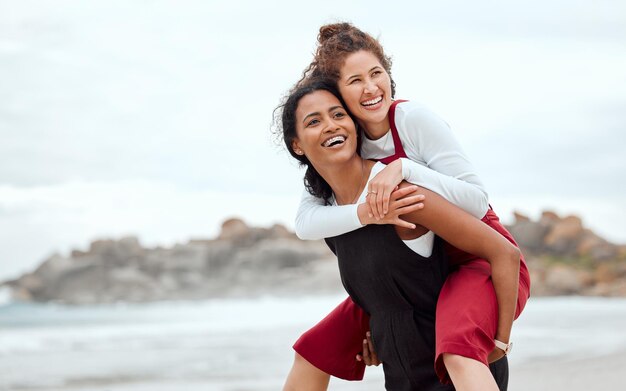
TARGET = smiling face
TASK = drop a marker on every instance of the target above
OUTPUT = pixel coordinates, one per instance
(365, 86)
(325, 132)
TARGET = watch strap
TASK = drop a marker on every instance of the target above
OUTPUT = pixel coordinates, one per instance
(506, 347)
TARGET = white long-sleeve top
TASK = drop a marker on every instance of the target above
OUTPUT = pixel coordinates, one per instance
(435, 161)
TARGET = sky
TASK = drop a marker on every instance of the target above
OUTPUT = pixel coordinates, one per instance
(153, 118)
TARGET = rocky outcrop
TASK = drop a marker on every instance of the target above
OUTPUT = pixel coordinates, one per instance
(566, 236)
(563, 257)
(240, 261)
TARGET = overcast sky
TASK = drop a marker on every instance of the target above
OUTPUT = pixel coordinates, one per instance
(152, 118)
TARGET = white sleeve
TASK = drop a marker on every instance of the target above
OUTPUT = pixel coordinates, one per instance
(449, 172)
(315, 220)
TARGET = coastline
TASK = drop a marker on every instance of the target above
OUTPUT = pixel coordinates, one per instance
(566, 343)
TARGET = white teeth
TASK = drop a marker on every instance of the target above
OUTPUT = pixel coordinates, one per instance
(332, 140)
(372, 102)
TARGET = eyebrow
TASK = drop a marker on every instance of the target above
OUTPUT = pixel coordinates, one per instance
(318, 113)
(377, 66)
(310, 115)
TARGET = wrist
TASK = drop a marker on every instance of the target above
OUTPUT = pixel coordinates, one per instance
(403, 172)
(502, 337)
(363, 214)
(399, 168)
(506, 347)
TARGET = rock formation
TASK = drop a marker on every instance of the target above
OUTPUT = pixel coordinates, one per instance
(240, 261)
(564, 258)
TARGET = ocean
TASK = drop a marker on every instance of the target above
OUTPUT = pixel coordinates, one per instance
(238, 344)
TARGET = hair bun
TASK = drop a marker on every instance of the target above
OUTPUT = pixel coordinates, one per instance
(328, 31)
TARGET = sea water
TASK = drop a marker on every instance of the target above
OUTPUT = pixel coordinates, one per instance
(237, 344)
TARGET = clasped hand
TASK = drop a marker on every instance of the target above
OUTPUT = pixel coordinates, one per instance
(386, 202)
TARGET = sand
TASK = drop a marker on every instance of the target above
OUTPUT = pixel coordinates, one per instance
(602, 373)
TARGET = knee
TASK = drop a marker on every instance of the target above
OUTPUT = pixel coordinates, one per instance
(305, 376)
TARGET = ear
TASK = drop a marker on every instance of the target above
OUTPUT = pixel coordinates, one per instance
(296, 147)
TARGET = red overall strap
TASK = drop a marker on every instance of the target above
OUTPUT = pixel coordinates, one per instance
(397, 144)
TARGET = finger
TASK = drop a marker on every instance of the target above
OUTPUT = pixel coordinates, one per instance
(370, 344)
(386, 193)
(401, 223)
(372, 202)
(408, 209)
(366, 353)
(368, 200)
(379, 201)
(403, 192)
(408, 200)
(359, 357)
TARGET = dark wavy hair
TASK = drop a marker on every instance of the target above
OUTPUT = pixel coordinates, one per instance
(337, 41)
(285, 130)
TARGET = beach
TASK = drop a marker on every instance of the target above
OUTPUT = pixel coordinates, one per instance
(563, 373)
(568, 343)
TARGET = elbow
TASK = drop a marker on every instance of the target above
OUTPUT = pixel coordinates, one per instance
(514, 254)
(301, 232)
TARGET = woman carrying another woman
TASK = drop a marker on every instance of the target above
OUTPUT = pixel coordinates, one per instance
(393, 283)
(479, 300)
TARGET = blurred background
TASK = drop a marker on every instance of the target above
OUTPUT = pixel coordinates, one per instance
(146, 212)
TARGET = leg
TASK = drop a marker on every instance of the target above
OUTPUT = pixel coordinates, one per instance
(467, 313)
(465, 325)
(468, 374)
(331, 345)
(500, 371)
(306, 377)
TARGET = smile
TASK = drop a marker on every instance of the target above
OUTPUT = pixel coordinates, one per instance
(333, 141)
(372, 102)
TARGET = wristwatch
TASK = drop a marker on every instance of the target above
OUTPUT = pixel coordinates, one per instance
(506, 347)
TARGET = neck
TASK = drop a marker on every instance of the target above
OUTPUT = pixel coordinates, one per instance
(348, 179)
(375, 130)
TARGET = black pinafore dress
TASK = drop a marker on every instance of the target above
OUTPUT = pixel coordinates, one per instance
(399, 289)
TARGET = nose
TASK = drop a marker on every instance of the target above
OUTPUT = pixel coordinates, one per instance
(370, 86)
(331, 126)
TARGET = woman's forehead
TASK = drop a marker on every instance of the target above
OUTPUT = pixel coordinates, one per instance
(320, 100)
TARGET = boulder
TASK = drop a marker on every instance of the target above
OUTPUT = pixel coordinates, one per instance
(529, 235)
(233, 228)
(564, 235)
(520, 218)
(563, 280)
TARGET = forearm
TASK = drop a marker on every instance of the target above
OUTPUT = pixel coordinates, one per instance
(469, 196)
(315, 221)
(505, 278)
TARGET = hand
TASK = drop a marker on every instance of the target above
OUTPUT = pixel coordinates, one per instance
(495, 355)
(381, 186)
(400, 202)
(369, 354)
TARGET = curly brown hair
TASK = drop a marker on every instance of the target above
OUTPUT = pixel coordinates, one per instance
(337, 41)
